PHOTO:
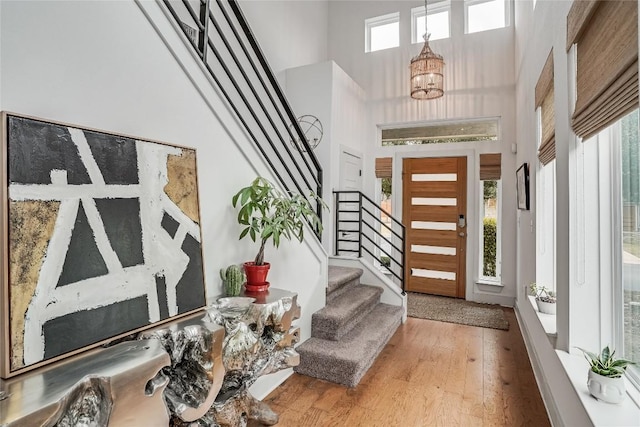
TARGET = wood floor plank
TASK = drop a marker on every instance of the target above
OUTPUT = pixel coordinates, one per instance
(492, 385)
(472, 403)
(329, 398)
(430, 374)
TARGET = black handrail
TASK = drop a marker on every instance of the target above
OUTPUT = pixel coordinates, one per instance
(369, 232)
(233, 58)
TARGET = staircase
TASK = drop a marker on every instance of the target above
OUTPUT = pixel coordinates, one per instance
(349, 332)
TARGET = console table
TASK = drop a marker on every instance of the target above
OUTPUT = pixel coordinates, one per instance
(194, 371)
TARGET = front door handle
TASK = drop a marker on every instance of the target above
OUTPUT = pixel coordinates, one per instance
(461, 234)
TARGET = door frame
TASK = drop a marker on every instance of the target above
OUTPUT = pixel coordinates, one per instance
(472, 226)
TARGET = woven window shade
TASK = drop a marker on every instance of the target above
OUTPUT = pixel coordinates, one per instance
(544, 100)
(545, 81)
(383, 167)
(606, 33)
(490, 166)
(577, 18)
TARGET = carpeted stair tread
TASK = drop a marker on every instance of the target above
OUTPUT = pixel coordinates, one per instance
(340, 280)
(346, 361)
(340, 315)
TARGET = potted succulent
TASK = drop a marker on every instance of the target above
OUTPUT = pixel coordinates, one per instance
(266, 214)
(232, 278)
(605, 380)
(545, 298)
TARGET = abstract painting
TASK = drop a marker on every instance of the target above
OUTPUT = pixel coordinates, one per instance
(101, 238)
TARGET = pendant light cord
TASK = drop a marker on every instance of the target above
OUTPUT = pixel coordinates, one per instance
(426, 31)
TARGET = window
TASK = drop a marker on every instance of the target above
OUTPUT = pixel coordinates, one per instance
(383, 170)
(490, 188)
(386, 225)
(606, 238)
(382, 32)
(490, 266)
(546, 229)
(482, 15)
(630, 195)
(437, 21)
(472, 131)
(605, 117)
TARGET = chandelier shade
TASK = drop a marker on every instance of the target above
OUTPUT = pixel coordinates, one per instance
(427, 80)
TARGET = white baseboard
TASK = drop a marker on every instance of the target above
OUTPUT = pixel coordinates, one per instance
(545, 391)
(486, 298)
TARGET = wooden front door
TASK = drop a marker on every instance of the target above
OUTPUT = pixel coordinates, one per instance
(434, 212)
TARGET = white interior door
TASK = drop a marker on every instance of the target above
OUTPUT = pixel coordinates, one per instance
(350, 180)
(350, 171)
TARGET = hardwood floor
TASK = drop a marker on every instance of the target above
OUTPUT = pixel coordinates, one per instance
(430, 374)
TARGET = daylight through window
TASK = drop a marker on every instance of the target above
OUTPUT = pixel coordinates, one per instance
(382, 32)
(437, 23)
(482, 15)
(630, 157)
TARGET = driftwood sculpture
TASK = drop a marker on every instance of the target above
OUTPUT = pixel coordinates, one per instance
(193, 372)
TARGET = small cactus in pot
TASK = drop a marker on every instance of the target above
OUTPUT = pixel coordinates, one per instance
(233, 277)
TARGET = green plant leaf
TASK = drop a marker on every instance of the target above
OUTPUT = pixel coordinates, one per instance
(244, 233)
(605, 363)
(270, 214)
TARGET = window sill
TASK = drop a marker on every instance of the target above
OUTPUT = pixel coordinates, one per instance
(489, 285)
(548, 321)
(626, 413)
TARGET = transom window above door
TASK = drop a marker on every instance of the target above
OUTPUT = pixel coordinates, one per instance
(437, 133)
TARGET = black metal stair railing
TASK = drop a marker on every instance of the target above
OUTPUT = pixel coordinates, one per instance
(222, 38)
(360, 229)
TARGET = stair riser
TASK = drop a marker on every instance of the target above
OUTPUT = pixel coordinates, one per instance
(341, 276)
(331, 329)
(341, 289)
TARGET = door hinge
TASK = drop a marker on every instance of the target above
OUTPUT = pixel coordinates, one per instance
(360, 172)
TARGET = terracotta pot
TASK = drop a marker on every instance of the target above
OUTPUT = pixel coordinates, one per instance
(256, 276)
(610, 390)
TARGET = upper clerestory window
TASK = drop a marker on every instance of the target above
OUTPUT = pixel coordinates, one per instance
(382, 32)
(483, 15)
(438, 21)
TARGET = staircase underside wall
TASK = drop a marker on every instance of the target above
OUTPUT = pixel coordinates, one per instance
(131, 72)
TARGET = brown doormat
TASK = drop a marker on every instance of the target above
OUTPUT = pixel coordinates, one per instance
(454, 310)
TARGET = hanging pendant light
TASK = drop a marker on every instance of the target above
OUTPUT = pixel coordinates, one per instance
(427, 81)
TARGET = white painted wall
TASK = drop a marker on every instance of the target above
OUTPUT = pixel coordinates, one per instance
(479, 82)
(290, 33)
(122, 67)
(327, 92)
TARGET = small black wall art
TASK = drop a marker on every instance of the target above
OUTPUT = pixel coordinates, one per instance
(522, 186)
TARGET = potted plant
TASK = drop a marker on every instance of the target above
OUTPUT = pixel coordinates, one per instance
(545, 298)
(268, 214)
(232, 279)
(605, 380)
